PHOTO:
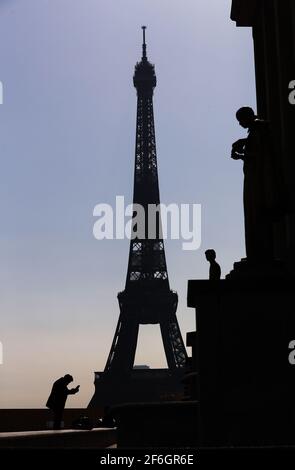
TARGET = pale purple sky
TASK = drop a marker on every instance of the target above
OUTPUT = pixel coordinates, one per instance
(67, 134)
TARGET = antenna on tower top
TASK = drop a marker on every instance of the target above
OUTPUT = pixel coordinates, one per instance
(143, 44)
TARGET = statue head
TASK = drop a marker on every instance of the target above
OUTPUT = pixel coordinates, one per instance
(246, 116)
(210, 255)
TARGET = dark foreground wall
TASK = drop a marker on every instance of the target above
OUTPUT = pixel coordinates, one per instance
(246, 383)
(157, 425)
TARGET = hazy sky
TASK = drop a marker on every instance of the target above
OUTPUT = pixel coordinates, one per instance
(67, 134)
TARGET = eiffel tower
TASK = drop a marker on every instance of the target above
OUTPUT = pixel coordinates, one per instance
(147, 298)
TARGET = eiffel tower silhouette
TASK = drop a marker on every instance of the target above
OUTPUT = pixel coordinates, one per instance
(147, 298)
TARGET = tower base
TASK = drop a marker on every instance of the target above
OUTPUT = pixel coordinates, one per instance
(140, 385)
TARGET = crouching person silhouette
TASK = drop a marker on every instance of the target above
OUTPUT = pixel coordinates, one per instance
(58, 396)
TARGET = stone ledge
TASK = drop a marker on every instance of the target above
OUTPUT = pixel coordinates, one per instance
(94, 438)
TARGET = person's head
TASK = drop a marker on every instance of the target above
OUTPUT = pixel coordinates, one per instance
(68, 378)
(210, 255)
(246, 116)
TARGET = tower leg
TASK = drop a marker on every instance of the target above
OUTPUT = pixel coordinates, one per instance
(173, 343)
(122, 354)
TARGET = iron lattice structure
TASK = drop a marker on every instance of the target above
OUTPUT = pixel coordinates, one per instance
(147, 298)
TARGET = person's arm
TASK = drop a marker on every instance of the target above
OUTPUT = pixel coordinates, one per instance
(237, 156)
(239, 145)
(72, 391)
(238, 149)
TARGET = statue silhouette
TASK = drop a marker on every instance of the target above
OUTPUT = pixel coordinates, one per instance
(58, 396)
(215, 271)
(261, 185)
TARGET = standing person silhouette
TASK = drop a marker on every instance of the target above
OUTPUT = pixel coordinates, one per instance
(215, 270)
(58, 396)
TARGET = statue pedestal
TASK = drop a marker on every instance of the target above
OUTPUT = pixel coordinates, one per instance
(244, 270)
(246, 383)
